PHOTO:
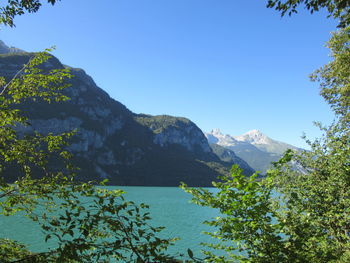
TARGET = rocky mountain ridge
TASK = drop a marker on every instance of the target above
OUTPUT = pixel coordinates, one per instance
(254, 137)
(254, 147)
(113, 142)
(4, 49)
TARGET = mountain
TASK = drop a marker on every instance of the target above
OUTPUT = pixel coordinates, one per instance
(113, 142)
(264, 143)
(229, 156)
(4, 49)
(254, 147)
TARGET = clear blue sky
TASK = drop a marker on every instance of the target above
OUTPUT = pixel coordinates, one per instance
(228, 64)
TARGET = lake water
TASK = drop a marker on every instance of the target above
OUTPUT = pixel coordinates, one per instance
(169, 207)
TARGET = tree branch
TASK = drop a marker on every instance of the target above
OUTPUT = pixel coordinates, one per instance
(17, 74)
(7, 193)
(27, 258)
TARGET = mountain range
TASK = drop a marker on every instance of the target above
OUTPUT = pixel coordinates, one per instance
(254, 147)
(114, 143)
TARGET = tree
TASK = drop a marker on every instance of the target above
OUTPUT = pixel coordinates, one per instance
(334, 77)
(300, 211)
(19, 7)
(245, 231)
(336, 8)
(89, 223)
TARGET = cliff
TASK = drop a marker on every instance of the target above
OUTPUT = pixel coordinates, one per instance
(114, 143)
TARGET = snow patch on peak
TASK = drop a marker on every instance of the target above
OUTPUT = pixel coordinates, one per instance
(216, 136)
(254, 132)
(216, 131)
(254, 137)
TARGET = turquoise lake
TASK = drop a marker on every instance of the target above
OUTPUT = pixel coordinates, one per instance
(169, 207)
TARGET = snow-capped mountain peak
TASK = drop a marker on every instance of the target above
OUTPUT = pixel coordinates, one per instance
(216, 131)
(254, 147)
(254, 137)
(216, 136)
(254, 132)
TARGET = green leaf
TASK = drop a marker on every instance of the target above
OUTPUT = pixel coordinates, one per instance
(190, 253)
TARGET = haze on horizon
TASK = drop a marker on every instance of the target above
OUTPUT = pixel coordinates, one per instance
(233, 65)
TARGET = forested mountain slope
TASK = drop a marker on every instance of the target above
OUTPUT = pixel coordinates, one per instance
(111, 141)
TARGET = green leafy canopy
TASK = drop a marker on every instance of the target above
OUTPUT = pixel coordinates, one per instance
(19, 7)
(336, 8)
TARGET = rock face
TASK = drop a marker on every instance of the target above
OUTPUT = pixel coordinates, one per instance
(6, 50)
(114, 143)
(175, 130)
(229, 156)
(254, 147)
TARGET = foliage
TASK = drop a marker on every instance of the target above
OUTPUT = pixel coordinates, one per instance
(334, 77)
(246, 231)
(11, 250)
(319, 198)
(336, 8)
(87, 223)
(160, 123)
(307, 221)
(300, 211)
(19, 7)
